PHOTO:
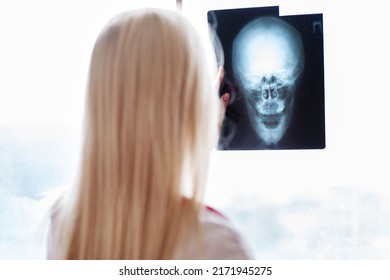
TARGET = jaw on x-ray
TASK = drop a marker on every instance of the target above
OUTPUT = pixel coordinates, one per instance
(274, 71)
(267, 62)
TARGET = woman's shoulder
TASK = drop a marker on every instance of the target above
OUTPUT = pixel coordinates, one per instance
(221, 238)
(53, 229)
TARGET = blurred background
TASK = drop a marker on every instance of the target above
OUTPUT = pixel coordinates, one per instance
(299, 204)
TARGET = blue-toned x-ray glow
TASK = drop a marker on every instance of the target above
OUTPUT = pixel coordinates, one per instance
(268, 61)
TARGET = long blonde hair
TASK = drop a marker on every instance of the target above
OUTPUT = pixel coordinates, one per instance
(150, 125)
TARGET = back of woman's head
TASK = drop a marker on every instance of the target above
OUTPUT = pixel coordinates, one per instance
(149, 86)
(150, 124)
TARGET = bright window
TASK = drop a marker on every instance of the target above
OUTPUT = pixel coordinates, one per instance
(319, 204)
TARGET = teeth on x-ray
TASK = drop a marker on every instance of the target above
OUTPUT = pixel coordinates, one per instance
(267, 61)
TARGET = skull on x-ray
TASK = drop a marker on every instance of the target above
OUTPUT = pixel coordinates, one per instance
(268, 61)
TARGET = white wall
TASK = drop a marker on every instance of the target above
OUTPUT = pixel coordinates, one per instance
(331, 203)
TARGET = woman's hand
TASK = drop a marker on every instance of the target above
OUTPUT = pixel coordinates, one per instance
(224, 100)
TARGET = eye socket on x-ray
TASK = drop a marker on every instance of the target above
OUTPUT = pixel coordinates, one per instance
(274, 70)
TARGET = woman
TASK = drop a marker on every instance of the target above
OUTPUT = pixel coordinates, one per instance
(151, 122)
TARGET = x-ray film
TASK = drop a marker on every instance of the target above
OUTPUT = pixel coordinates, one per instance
(274, 71)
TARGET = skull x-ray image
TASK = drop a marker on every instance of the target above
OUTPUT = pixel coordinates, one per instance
(275, 73)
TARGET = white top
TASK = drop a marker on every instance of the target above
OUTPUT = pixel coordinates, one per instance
(221, 241)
